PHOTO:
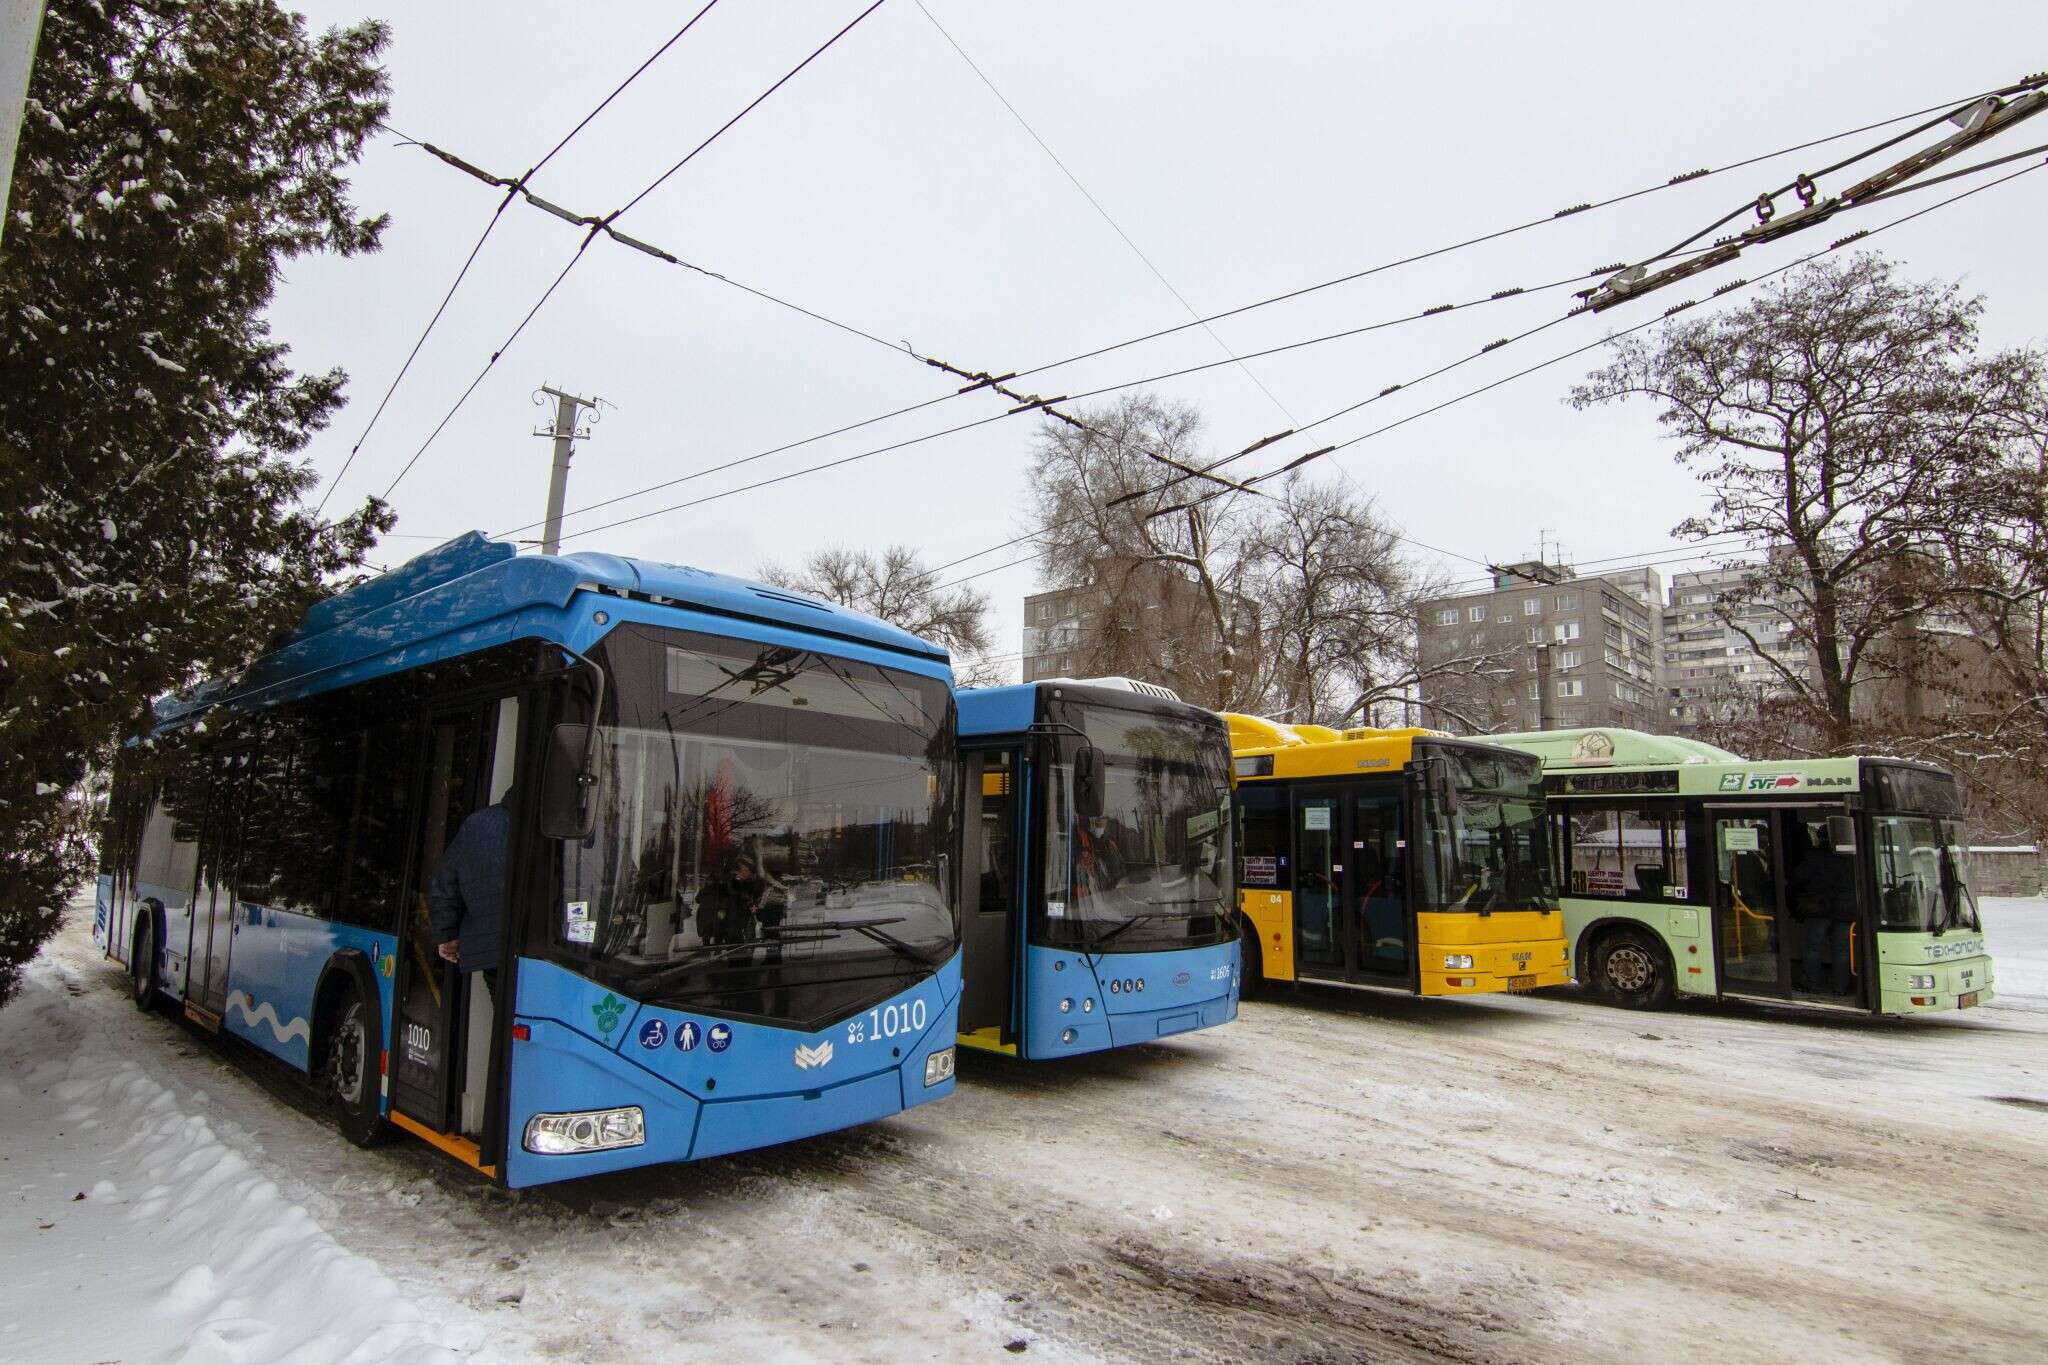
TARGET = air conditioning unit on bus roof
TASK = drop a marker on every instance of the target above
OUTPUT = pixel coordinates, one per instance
(1143, 689)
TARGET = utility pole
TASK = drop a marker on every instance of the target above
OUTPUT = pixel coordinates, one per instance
(1542, 649)
(566, 434)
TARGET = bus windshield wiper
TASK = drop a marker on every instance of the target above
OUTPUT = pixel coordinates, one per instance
(1096, 944)
(872, 928)
(691, 958)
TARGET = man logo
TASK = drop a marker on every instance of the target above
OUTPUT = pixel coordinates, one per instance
(808, 1057)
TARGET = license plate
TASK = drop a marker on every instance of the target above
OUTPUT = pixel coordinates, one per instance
(1522, 983)
(1966, 999)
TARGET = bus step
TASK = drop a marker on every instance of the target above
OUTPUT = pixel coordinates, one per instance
(206, 1019)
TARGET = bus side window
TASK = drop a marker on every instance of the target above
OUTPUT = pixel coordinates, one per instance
(1262, 830)
(374, 861)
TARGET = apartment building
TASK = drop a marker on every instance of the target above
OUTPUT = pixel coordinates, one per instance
(1156, 626)
(1709, 663)
(1543, 647)
(1052, 634)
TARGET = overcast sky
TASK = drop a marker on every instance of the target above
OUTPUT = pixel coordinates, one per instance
(1247, 149)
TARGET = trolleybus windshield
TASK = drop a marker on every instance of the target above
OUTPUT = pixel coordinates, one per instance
(1484, 837)
(773, 830)
(1150, 872)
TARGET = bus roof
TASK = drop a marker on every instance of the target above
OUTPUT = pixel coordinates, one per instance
(1013, 709)
(1623, 748)
(1622, 763)
(473, 593)
(1318, 750)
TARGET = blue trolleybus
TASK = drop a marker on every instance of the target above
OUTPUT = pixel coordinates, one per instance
(721, 822)
(1097, 897)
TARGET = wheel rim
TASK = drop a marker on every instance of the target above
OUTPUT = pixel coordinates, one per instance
(1630, 969)
(347, 1064)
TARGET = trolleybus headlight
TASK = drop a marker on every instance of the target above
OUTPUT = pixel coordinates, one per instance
(590, 1130)
(1067, 1035)
(1066, 1007)
(1920, 983)
(938, 1066)
(1457, 962)
(1088, 1005)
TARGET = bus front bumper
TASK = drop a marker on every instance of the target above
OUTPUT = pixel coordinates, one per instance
(1494, 968)
(1911, 988)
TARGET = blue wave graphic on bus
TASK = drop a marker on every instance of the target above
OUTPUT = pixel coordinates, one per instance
(265, 1013)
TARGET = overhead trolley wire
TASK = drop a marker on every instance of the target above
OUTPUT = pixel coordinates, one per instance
(1572, 211)
(1730, 288)
(605, 225)
(1097, 205)
(1251, 483)
(1683, 178)
(489, 227)
(1378, 431)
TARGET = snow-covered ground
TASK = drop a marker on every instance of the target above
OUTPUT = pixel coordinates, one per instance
(1332, 1177)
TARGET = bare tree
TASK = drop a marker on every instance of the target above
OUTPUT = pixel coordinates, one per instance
(1842, 423)
(1164, 572)
(896, 587)
(1338, 605)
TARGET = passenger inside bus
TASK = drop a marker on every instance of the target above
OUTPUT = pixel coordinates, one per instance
(1102, 854)
(466, 897)
(1823, 896)
(728, 905)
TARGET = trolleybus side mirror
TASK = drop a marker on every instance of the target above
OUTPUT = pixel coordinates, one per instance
(568, 809)
(1088, 782)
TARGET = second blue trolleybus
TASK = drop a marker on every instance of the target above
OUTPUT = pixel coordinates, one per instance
(1097, 896)
(701, 837)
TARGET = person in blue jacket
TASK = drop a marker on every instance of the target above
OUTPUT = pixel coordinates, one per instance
(466, 898)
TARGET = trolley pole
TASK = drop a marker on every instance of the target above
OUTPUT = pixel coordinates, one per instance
(568, 407)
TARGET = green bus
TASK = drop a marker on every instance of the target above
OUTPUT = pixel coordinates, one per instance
(1684, 869)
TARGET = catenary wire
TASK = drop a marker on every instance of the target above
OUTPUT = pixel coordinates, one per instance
(489, 228)
(1673, 182)
(1103, 212)
(605, 223)
(1344, 411)
(1646, 323)
(1499, 296)
(1553, 360)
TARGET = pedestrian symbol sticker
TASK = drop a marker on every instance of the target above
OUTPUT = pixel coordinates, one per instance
(719, 1038)
(686, 1036)
(653, 1033)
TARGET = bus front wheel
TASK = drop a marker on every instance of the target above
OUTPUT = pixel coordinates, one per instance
(349, 1068)
(1632, 969)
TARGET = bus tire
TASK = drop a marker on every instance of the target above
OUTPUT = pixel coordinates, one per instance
(1632, 969)
(348, 1065)
(1251, 965)
(142, 959)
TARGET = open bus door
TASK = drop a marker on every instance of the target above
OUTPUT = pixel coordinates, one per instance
(441, 1037)
(992, 921)
(1789, 922)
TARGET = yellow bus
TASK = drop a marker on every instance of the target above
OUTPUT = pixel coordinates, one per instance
(1399, 859)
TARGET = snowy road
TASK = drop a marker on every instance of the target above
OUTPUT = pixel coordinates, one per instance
(1330, 1177)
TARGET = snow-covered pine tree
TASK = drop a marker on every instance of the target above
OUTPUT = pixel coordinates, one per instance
(173, 156)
